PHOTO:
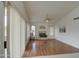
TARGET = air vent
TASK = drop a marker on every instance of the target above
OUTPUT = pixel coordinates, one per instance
(77, 18)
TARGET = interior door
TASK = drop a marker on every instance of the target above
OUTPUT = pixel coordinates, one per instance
(2, 37)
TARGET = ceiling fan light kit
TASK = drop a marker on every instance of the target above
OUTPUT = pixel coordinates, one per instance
(47, 19)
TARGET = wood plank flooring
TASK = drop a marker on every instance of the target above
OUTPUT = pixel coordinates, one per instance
(48, 47)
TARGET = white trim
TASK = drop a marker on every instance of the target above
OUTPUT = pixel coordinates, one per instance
(5, 52)
(68, 43)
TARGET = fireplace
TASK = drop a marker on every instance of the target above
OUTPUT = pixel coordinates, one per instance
(42, 35)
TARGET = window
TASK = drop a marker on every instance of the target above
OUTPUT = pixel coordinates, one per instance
(33, 30)
(5, 24)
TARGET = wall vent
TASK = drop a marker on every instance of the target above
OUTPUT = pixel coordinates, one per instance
(77, 18)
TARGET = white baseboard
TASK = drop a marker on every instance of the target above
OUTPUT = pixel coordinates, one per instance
(70, 55)
(39, 38)
(68, 43)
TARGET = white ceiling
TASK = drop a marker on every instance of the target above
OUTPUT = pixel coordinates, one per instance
(37, 10)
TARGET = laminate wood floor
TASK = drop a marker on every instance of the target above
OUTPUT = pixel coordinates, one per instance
(48, 47)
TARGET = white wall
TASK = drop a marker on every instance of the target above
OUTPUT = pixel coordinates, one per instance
(20, 7)
(71, 36)
(2, 29)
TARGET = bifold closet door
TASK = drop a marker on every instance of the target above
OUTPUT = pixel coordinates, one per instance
(17, 34)
(2, 28)
(14, 33)
(22, 36)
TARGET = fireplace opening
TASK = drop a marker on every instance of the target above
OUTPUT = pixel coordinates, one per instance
(42, 35)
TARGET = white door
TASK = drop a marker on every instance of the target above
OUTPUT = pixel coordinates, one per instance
(2, 27)
(51, 32)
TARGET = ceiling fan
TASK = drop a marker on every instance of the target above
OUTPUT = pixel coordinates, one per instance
(47, 19)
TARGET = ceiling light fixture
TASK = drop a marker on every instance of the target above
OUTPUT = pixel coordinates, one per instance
(47, 19)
